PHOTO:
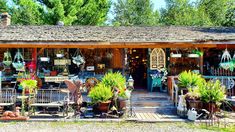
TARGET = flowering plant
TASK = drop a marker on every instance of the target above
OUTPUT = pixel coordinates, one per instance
(161, 73)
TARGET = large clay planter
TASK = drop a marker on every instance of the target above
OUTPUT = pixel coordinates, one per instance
(104, 106)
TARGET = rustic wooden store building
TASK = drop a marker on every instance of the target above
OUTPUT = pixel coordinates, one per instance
(136, 51)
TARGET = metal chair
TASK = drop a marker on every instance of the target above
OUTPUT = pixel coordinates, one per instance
(156, 82)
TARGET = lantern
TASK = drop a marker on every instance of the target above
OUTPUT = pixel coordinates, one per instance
(130, 81)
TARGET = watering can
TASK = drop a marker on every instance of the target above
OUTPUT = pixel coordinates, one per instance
(192, 114)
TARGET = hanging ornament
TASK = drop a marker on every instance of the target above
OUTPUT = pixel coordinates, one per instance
(225, 61)
(18, 62)
(78, 58)
(7, 59)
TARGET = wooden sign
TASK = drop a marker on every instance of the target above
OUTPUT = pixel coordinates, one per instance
(62, 62)
(56, 78)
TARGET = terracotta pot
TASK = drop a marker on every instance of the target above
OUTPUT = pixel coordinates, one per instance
(104, 106)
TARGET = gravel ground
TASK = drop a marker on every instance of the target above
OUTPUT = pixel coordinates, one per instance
(96, 127)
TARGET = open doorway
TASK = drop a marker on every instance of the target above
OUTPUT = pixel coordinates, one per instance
(138, 67)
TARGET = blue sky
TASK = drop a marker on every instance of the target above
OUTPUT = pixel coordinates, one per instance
(159, 4)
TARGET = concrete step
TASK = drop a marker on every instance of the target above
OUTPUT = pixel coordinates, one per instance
(152, 104)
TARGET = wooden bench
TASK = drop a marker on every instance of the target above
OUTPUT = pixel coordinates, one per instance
(7, 97)
(47, 98)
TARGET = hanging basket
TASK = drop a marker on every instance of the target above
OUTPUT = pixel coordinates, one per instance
(7, 59)
(78, 58)
(18, 62)
(225, 61)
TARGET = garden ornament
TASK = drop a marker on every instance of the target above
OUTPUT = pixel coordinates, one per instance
(225, 62)
(181, 108)
(7, 59)
(192, 114)
(18, 62)
(78, 58)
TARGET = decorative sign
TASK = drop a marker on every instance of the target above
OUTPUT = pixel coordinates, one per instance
(62, 62)
(157, 59)
(56, 78)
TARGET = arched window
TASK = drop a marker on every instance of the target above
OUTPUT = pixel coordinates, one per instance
(157, 59)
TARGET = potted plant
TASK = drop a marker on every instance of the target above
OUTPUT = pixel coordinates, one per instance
(122, 99)
(212, 94)
(101, 95)
(29, 85)
(193, 98)
(188, 79)
(117, 82)
(114, 80)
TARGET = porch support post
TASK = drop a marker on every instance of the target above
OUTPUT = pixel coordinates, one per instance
(149, 80)
(201, 62)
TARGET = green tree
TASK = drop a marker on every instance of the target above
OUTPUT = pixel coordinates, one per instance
(61, 10)
(77, 12)
(182, 12)
(135, 12)
(27, 12)
(216, 10)
(93, 12)
(230, 16)
(3, 6)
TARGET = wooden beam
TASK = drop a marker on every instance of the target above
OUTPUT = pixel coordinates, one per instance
(105, 45)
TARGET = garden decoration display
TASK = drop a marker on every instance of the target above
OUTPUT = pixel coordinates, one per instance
(226, 61)
(18, 62)
(78, 58)
(7, 59)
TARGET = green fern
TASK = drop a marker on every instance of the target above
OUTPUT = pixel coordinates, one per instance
(100, 93)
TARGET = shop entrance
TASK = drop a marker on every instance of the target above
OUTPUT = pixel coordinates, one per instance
(138, 67)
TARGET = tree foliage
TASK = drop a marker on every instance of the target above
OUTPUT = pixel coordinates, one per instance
(27, 12)
(200, 13)
(3, 6)
(135, 12)
(70, 12)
